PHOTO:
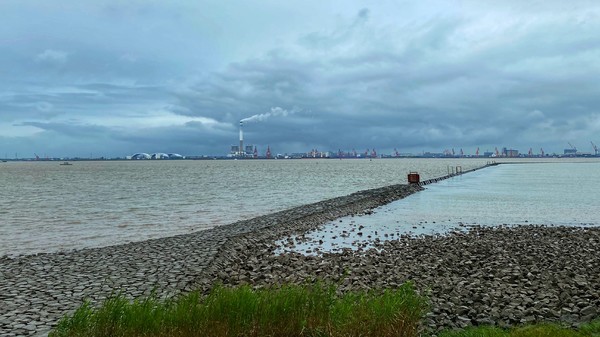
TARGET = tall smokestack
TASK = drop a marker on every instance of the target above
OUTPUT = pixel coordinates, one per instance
(241, 139)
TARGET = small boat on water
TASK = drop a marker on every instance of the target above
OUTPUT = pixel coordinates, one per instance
(65, 163)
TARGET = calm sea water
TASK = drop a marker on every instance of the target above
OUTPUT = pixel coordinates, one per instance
(556, 193)
(45, 207)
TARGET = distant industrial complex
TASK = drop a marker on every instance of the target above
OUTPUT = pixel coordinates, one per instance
(143, 155)
(249, 151)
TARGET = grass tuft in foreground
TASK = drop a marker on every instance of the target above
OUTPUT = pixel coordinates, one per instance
(290, 310)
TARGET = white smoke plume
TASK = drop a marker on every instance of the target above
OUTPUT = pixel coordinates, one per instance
(275, 112)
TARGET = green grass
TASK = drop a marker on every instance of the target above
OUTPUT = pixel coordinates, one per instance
(290, 310)
(539, 330)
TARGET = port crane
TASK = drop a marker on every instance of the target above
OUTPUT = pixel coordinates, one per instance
(572, 147)
(477, 153)
(530, 153)
(595, 148)
(542, 150)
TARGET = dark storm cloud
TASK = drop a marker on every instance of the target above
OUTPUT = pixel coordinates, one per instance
(357, 98)
(424, 90)
(190, 139)
(70, 130)
(413, 76)
(77, 102)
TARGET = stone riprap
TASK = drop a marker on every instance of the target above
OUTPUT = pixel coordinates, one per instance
(503, 276)
(37, 290)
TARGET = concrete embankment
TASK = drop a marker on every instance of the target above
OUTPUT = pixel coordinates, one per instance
(455, 171)
(37, 290)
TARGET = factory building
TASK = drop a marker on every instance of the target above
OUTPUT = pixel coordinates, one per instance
(510, 153)
(241, 151)
(247, 153)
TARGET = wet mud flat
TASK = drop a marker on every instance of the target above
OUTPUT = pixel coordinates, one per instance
(504, 276)
(37, 290)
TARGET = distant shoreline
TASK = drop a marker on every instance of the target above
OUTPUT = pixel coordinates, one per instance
(194, 158)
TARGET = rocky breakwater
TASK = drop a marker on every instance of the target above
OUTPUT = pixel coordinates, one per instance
(37, 290)
(487, 276)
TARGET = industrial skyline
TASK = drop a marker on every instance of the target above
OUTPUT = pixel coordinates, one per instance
(114, 78)
(252, 152)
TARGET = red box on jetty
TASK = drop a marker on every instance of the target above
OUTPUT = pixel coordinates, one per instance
(413, 178)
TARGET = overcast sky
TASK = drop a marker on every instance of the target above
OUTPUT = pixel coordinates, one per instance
(111, 78)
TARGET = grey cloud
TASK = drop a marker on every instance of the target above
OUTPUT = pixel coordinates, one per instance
(52, 57)
(363, 14)
(481, 77)
(38, 108)
(378, 88)
(189, 139)
(44, 103)
(70, 130)
(342, 34)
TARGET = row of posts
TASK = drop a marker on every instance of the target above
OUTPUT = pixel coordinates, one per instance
(414, 178)
(454, 170)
